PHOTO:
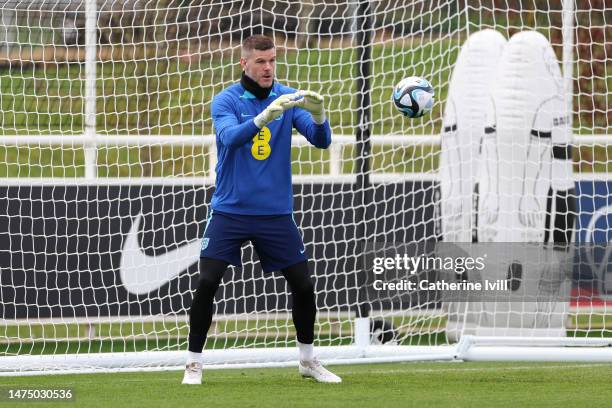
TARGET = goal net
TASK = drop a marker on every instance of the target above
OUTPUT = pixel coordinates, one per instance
(108, 169)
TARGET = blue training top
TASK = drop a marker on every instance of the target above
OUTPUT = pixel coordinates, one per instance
(254, 166)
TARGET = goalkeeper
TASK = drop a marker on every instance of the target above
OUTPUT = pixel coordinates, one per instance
(253, 198)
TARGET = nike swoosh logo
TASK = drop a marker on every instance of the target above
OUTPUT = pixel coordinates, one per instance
(244, 115)
(302, 251)
(142, 273)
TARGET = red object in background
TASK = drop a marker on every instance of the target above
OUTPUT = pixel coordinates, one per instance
(587, 297)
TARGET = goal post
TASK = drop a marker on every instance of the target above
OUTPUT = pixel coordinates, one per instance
(108, 168)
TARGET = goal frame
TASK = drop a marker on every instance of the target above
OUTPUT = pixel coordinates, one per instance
(469, 348)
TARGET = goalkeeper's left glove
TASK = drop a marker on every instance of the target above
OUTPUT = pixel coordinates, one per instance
(313, 103)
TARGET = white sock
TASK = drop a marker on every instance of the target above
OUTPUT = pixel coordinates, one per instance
(194, 357)
(306, 351)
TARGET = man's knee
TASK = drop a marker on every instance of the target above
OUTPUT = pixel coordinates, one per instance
(298, 277)
(211, 273)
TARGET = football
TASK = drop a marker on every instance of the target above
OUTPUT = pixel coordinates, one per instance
(413, 96)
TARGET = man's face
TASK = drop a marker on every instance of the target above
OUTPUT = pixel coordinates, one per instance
(260, 66)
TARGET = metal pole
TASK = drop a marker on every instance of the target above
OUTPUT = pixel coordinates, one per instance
(90, 88)
(363, 37)
(568, 55)
(466, 8)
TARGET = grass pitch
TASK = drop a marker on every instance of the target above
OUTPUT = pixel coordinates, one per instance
(380, 385)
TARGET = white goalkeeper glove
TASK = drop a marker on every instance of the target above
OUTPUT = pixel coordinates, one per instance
(313, 103)
(276, 109)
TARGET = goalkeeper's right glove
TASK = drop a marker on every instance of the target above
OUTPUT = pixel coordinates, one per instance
(276, 109)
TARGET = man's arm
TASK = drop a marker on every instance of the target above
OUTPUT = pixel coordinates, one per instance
(318, 135)
(309, 119)
(230, 132)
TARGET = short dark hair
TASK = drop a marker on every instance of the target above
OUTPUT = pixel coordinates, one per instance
(257, 42)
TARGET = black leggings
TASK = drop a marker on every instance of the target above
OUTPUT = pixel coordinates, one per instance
(304, 309)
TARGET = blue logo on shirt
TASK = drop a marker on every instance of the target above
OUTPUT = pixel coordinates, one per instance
(205, 243)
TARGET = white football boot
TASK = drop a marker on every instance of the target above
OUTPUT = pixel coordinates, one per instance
(315, 370)
(193, 373)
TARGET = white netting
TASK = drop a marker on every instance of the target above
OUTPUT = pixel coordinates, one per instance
(108, 157)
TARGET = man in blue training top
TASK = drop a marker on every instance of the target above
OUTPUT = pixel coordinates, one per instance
(253, 199)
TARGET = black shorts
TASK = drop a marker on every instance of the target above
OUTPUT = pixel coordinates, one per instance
(276, 239)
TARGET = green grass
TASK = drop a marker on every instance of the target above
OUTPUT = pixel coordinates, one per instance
(169, 97)
(173, 98)
(37, 339)
(395, 385)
